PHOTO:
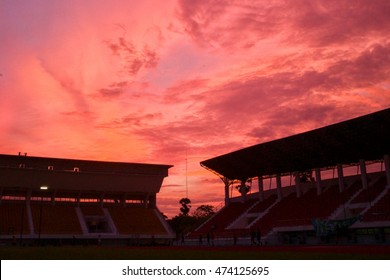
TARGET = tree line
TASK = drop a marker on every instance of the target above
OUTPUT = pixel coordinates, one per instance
(185, 221)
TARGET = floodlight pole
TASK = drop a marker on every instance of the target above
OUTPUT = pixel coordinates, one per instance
(186, 174)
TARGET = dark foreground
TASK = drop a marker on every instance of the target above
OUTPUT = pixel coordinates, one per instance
(347, 252)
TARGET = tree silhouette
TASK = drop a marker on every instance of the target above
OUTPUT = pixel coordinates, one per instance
(204, 211)
(185, 206)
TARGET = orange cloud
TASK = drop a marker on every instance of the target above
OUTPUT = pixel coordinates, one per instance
(154, 81)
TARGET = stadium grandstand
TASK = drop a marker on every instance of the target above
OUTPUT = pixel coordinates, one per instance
(68, 201)
(328, 185)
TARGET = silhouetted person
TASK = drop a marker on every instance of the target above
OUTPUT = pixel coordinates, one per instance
(258, 236)
(253, 236)
(74, 240)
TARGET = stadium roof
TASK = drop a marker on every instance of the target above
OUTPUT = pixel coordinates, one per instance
(366, 137)
(62, 164)
(19, 171)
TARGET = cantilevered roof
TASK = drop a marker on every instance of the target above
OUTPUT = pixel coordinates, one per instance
(26, 172)
(63, 164)
(366, 137)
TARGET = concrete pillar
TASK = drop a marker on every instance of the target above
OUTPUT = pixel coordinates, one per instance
(387, 167)
(102, 196)
(340, 176)
(78, 199)
(318, 181)
(243, 191)
(146, 199)
(227, 184)
(363, 173)
(124, 197)
(53, 198)
(29, 213)
(279, 186)
(28, 196)
(227, 199)
(152, 201)
(298, 188)
(261, 188)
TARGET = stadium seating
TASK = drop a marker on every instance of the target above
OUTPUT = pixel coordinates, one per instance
(380, 211)
(261, 207)
(61, 219)
(57, 219)
(91, 210)
(369, 194)
(225, 217)
(136, 220)
(13, 218)
(296, 212)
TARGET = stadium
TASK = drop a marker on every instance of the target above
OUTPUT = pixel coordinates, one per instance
(327, 187)
(65, 201)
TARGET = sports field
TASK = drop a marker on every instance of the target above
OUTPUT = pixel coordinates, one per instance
(347, 252)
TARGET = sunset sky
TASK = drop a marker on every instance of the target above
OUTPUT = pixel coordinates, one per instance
(178, 82)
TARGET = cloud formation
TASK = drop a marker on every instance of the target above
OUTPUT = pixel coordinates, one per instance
(177, 82)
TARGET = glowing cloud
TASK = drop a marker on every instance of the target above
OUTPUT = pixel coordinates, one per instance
(177, 82)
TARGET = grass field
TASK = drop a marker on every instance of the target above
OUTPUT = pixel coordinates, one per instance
(361, 252)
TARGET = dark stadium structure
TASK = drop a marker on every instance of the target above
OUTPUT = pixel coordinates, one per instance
(69, 201)
(330, 184)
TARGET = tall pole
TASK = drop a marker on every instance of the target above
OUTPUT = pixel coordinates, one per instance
(186, 174)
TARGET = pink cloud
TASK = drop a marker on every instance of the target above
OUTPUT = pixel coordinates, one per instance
(133, 59)
(157, 81)
(335, 22)
(227, 24)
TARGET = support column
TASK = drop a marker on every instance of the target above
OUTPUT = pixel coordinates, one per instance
(227, 200)
(318, 181)
(124, 197)
(363, 173)
(152, 201)
(29, 213)
(78, 199)
(227, 184)
(261, 188)
(279, 186)
(146, 199)
(243, 190)
(340, 176)
(53, 197)
(298, 188)
(101, 200)
(387, 167)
